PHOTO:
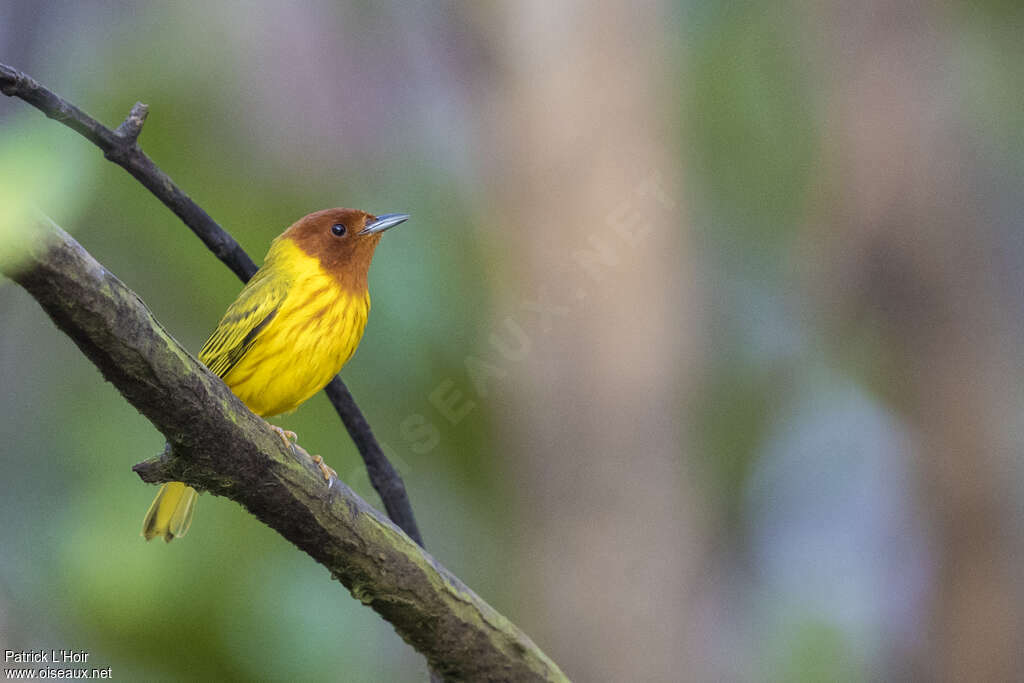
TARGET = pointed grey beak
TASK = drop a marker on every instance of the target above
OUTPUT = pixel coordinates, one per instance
(388, 220)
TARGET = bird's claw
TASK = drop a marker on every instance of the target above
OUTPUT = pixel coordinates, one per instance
(286, 435)
(325, 469)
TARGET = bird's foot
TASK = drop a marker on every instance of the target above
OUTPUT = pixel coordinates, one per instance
(287, 436)
(325, 469)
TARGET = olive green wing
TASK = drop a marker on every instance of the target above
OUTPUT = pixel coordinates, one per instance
(249, 315)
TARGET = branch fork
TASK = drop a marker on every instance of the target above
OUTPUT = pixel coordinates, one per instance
(132, 125)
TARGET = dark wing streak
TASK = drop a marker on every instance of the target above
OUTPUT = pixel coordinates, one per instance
(231, 358)
(245, 319)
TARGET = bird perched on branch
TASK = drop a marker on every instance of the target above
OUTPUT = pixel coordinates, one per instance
(291, 329)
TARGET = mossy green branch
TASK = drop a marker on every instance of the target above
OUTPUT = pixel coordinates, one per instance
(216, 444)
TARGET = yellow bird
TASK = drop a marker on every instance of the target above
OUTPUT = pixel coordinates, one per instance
(291, 329)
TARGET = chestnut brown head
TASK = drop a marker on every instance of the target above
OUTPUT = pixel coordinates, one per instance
(343, 240)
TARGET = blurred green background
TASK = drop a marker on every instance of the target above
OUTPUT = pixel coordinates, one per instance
(724, 301)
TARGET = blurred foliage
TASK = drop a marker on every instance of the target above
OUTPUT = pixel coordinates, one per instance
(815, 651)
(749, 126)
(45, 176)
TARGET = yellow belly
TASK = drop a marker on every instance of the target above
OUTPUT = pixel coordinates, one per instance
(312, 336)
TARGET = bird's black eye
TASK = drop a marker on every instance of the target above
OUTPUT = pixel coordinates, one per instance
(338, 229)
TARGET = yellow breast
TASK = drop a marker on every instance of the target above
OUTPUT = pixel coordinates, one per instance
(314, 333)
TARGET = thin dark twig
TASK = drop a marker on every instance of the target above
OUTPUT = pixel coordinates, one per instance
(121, 147)
(386, 481)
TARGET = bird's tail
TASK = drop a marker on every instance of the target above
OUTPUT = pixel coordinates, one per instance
(170, 515)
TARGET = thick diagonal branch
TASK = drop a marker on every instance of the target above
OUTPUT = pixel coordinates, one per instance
(216, 444)
(121, 147)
